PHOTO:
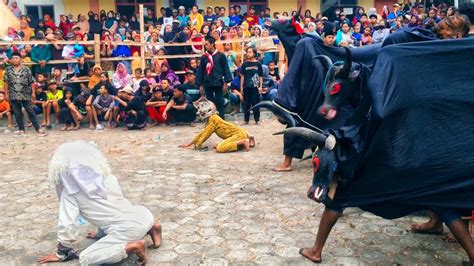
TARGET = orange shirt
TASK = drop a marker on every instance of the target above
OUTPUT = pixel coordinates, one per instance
(4, 106)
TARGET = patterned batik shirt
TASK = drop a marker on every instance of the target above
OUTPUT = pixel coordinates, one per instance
(19, 83)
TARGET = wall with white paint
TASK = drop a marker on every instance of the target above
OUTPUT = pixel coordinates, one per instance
(58, 6)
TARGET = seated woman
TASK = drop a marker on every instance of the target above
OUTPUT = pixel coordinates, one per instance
(235, 137)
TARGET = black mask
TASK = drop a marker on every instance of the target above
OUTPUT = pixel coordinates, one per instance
(376, 27)
(381, 27)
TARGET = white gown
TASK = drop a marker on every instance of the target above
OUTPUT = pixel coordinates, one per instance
(101, 202)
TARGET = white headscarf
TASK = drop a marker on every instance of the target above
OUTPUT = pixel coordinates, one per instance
(79, 166)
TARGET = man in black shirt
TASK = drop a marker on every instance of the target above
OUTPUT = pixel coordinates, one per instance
(150, 17)
(213, 74)
(160, 20)
(180, 108)
(135, 115)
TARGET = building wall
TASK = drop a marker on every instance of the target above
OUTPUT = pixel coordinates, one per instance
(76, 7)
(282, 5)
(107, 5)
(58, 6)
(224, 3)
(366, 4)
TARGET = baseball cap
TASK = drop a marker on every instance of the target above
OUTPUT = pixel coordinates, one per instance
(188, 71)
(127, 89)
(181, 8)
(52, 81)
(39, 36)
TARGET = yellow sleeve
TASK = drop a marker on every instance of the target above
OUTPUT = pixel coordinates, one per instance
(206, 133)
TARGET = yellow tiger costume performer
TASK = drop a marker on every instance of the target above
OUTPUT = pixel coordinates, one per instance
(235, 137)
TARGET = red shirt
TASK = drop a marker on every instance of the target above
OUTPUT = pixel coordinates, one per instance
(251, 20)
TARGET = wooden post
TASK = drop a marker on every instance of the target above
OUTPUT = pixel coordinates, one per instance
(97, 49)
(142, 38)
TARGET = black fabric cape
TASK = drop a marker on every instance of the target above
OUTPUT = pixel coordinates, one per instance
(419, 149)
(301, 90)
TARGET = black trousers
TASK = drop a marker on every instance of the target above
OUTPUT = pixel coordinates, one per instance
(216, 95)
(16, 107)
(251, 98)
(187, 115)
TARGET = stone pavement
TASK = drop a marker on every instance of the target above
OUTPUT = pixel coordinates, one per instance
(216, 209)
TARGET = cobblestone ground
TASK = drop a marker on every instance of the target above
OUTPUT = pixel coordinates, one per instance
(216, 209)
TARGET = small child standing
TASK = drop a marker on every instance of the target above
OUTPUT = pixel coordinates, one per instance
(136, 79)
(231, 57)
(251, 80)
(5, 110)
(79, 51)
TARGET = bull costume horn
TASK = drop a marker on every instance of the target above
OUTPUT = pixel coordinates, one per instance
(321, 140)
(344, 73)
(283, 115)
(325, 60)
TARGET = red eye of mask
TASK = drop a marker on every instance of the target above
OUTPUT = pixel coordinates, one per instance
(335, 89)
(315, 163)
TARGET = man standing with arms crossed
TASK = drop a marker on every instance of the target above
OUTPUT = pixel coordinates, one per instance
(213, 75)
(18, 80)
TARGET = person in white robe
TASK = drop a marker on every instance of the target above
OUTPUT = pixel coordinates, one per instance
(86, 187)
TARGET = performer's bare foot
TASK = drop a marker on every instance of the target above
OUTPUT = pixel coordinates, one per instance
(285, 166)
(311, 254)
(432, 227)
(155, 233)
(282, 168)
(252, 141)
(244, 144)
(138, 248)
(91, 235)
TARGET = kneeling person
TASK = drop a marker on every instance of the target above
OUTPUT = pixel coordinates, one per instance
(87, 187)
(235, 137)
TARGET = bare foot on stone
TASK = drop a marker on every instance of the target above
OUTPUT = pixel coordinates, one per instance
(427, 228)
(138, 248)
(156, 237)
(311, 255)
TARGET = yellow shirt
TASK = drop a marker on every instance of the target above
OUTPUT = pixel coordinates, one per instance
(196, 21)
(57, 96)
(222, 128)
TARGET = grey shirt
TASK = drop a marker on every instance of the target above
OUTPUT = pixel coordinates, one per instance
(102, 102)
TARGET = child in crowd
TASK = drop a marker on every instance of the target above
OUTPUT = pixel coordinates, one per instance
(231, 58)
(40, 81)
(273, 72)
(136, 79)
(251, 75)
(66, 116)
(103, 107)
(39, 101)
(77, 53)
(52, 96)
(357, 36)
(57, 75)
(367, 36)
(156, 107)
(167, 91)
(148, 77)
(144, 93)
(159, 60)
(5, 110)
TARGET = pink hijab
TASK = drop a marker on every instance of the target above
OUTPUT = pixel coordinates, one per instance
(121, 79)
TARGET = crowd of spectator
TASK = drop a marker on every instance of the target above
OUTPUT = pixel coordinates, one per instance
(82, 89)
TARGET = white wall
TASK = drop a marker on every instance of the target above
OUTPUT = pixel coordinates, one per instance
(58, 6)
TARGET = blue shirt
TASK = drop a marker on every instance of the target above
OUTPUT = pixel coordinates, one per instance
(234, 20)
(209, 18)
(184, 20)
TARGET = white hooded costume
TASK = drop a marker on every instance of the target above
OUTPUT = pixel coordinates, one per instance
(86, 187)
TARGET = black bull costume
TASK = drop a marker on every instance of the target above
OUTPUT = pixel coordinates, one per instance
(403, 133)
